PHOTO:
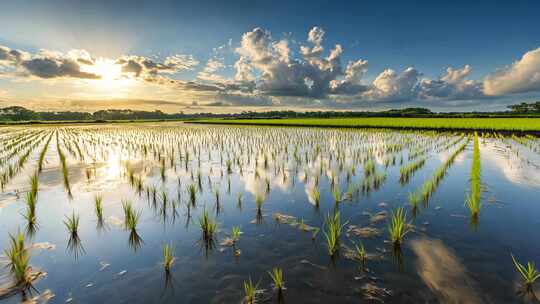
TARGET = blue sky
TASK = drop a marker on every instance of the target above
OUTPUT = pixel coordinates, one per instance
(428, 36)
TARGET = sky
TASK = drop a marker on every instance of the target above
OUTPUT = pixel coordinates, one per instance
(231, 56)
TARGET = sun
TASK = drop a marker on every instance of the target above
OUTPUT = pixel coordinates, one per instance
(107, 69)
(110, 73)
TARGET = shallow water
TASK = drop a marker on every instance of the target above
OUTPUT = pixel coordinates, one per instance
(447, 257)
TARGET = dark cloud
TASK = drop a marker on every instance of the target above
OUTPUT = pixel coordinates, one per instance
(130, 66)
(9, 55)
(85, 61)
(54, 68)
(228, 99)
(146, 67)
(47, 65)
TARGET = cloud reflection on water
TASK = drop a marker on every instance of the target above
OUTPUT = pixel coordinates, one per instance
(443, 273)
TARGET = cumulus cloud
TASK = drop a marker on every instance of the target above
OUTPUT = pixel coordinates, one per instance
(522, 76)
(282, 75)
(393, 85)
(352, 83)
(244, 72)
(453, 85)
(209, 71)
(315, 36)
(55, 67)
(146, 67)
(8, 55)
(47, 64)
(319, 74)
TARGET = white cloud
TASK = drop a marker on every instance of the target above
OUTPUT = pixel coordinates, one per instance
(180, 62)
(352, 83)
(281, 75)
(453, 85)
(209, 72)
(390, 85)
(522, 76)
(313, 75)
(243, 70)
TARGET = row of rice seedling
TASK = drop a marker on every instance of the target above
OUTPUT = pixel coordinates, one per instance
(12, 165)
(64, 166)
(473, 200)
(407, 171)
(429, 186)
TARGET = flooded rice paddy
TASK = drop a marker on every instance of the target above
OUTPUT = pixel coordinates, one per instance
(175, 213)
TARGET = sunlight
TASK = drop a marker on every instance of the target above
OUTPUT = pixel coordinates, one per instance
(113, 166)
(110, 72)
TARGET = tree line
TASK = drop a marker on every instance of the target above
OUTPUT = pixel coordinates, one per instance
(17, 113)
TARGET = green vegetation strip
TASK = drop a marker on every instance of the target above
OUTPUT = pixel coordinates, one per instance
(480, 124)
(473, 200)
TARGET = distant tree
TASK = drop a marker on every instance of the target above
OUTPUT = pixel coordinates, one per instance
(536, 106)
(519, 108)
(17, 113)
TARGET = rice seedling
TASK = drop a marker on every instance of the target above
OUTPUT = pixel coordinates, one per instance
(168, 257)
(398, 226)
(162, 170)
(267, 183)
(135, 241)
(164, 198)
(239, 200)
(131, 217)
(360, 252)
(72, 224)
(216, 195)
(414, 199)
(30, 214)
(192, 191)
(34, 184)
(369, 168)
(315, 195)
(332, 232)
(235, 234)
(277, 278)
(98, 207)
(529, 274)
(229, 166)
(74, 243)
(259, 200)
(250, 291)
(43, 153)
(336, 194)
(63, 162)
(199, 180)
(208, 226)
(19, 259)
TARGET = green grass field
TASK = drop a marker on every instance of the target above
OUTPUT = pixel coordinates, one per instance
(480, 124)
